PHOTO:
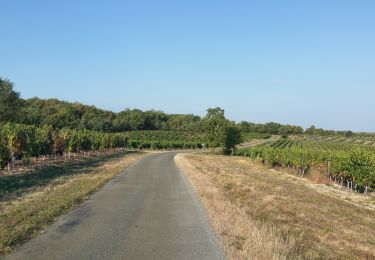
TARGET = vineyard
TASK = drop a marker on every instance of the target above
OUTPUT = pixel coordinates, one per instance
(251, 136)
(23, 142)
(184, 138)
(350, 164)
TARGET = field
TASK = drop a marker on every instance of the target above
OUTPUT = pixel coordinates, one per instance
(327, 143)
(346, 161)
(260, 213)
(251, 136)
(257, 209)
(187, 130)
(26, 144)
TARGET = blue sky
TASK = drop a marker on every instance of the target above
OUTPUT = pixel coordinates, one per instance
(296, 62)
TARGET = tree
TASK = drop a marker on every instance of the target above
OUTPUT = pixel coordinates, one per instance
(183, 122)
(155, 120)
(216, 113)
(232, 137)
(10, 102)
(213, 125)
(220, 131)
(271, 128)
(311, 130)
(130, 120)
(247, 127)
(283, 130)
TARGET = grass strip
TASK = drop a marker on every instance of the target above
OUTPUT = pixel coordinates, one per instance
(259, 213)
(31, 202)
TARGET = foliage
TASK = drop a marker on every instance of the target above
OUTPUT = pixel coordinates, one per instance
(312, 130)
(220, 132)
(9, 101)
(252, 136)
(344, 165)
(61, 114)
(232, 137)
(181, 136)
(269, 128)
(22, 141)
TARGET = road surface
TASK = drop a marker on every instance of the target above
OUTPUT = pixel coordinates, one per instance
(147, 212)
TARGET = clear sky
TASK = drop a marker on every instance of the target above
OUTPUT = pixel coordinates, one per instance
(296, 62)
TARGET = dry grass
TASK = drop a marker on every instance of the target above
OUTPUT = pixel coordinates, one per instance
(314, 175)
(317, 177)
(36, 200)
(266, 214)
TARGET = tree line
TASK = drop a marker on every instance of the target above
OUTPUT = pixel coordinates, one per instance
(280, 129)
(270, 128)
(60, 116)
(312, 130)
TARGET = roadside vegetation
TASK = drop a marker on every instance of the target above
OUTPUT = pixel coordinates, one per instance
(30, 202)
(35, 128)
(348, 164)
(260, 213)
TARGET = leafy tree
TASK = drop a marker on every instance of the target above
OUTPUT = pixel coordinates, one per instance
(220, 131)
(283, 130)
(214, 125)
(269, 128)
(349, 134)
(232, 137)
(10, 103)
(247, 127)
(66, 117)
(97, 119)
(183, 123)
(155, 120)
(215, 113)
(311, 130)
(130, 120)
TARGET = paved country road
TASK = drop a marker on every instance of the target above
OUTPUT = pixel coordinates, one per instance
(147, 212)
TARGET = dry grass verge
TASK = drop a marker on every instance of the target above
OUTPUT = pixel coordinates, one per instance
(265, 214)
(28, 203)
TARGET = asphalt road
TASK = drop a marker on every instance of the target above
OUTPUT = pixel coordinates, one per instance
(147, 212)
